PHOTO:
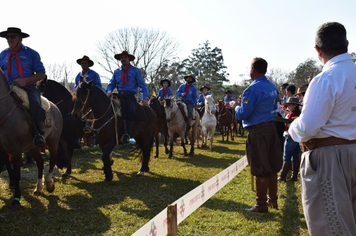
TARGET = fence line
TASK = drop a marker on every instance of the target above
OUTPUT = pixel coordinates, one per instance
(191, 201)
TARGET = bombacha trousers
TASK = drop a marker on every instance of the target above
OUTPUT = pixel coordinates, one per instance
(328, 183)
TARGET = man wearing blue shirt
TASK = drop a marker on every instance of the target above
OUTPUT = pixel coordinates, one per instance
(127, 79)
(86, 73)
(201, 101)
(228, 97)
(22, 67)
(264, 155)
(188, 92)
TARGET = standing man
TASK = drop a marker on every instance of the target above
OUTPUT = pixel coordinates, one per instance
(263, 151)
(327, 128)
(127, 79)
(86, 73)
(188, 92)
(22, 67)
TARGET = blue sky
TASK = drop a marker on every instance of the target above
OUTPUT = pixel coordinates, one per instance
(282, 32)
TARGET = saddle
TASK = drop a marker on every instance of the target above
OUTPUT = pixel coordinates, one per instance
(21, 98)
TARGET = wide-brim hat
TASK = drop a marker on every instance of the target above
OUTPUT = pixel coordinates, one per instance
(165, 80)
(203, 87)
(90, 62)
(228, 91)
(301, 89)
(117, 56)
(292, 101)
(13, 30)
(189, 75)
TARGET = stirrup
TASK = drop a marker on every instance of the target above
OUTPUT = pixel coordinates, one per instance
(39, 140)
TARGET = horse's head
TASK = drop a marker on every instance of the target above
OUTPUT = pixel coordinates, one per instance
(209, 104)
(169, 108)
(221, 105)
(81, 99)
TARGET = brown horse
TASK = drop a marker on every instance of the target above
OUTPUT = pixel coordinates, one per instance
(108, 124)
(161, 124)
(16, 137)
(226, 121)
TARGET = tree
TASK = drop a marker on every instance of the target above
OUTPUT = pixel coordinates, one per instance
(60, 73)
(152, 50)
(207, 65)
(300, 76)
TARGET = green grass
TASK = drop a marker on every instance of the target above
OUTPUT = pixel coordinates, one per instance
(84, 204)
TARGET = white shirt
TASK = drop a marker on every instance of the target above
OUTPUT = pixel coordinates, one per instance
(329, 105)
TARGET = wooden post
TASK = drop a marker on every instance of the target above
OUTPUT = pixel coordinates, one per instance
(172, 220)
(252, 183)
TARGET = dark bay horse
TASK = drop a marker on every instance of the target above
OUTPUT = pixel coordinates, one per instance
(16, 137)
(226, 121)
(108, 126)
(72, 125)
(161, 124)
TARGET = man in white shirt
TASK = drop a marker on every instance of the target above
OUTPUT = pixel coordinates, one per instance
(327, 130)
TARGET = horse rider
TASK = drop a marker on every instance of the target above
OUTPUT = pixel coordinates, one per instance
(201, 101)
(165, 91)
(228, 98)
(86, 73)
(127, 79)
(188, 92)
(22, 67)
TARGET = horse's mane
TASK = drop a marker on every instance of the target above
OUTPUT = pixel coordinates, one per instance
(58, 90)
(3, 78)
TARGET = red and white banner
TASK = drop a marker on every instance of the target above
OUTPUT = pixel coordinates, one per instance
(187, 204)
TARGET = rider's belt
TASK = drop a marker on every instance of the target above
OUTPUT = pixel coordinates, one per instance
(261, 124)
(126, 93)
(322, 142)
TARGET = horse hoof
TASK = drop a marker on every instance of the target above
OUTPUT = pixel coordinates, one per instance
(50, 186)
(167, 151)
(37, 193)
(108, 178)
(65, 175)
(140, 173)
(155, 156)
(11, 186)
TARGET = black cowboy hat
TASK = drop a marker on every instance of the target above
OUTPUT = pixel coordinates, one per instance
(117, 56)
(79, 61)
(165, 80)
(228, 91)
(204, 86)
(292, 101)
(13, 30)
(189, 75)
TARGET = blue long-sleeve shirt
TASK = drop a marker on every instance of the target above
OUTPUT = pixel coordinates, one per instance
(259, 103)
(134, 80)
(30, 62)
(160, 93)
(202, 99)
(226, 99)
(89, 76)
(190, 96)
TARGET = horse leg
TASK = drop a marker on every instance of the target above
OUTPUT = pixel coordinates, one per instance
(232, 127)
(4, 160)
(16, 163)
(192, 139)
(106, 159)
(35, 153)
(52, 148)
(166, 142)
(157, 144)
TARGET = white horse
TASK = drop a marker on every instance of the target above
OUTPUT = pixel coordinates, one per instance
(208, 122)
(177, 124)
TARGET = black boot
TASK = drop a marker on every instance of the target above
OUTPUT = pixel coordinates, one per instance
(285, 169)
(295, 171)
(128, 125)
(39, 139)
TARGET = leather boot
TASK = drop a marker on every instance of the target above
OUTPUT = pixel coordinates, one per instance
(285, 169)
(294, 176)
(39, 139)
(261, 193)
(272, 192)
